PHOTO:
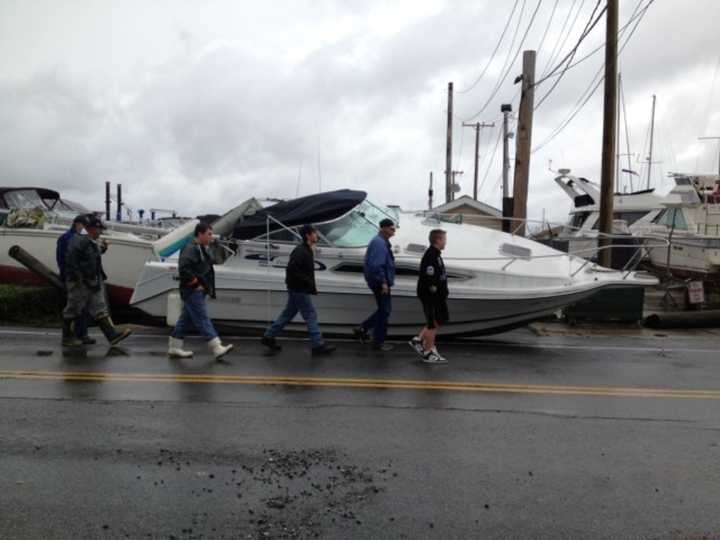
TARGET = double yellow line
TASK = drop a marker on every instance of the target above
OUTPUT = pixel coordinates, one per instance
(390, 384)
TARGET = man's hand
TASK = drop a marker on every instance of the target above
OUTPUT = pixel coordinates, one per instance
(385, 289)
(433, 289)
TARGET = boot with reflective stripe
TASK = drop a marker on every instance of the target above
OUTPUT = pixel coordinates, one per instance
(112, 334)
(68, 334)
(175, 349)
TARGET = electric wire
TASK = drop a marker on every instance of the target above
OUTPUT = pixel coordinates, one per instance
(562, 38)
(569, 57)
(590, 90)
(492, 56)
(509, 66)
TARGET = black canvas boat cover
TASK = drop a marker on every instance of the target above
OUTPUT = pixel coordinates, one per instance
(311, 209)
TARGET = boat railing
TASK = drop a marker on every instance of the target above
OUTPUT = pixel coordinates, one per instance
(585, 254)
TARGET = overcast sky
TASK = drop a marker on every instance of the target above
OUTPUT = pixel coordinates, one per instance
(199, 105)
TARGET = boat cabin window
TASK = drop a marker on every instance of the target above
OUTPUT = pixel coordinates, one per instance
(667, 216)
(357, 268)
(578, 219)
(356, 228)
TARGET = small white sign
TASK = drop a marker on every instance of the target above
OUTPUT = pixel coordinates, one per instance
(696, 293)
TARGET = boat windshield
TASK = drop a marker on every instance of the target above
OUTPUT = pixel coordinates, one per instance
(24, 198)
(358, 227)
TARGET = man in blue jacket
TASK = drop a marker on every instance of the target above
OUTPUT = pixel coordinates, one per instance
(78, 224)
(379, 270)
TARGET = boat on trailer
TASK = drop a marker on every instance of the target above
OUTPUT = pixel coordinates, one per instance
(497, 281)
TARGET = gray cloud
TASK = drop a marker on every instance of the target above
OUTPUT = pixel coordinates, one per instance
(213, 120)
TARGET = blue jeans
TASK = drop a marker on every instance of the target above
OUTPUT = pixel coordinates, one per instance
(194, 313)
(378, 321)
(301, 302)
(81, 325)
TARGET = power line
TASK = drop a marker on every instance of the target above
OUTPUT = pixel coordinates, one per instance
(509, 67)
(602, 45)
(592, 88)
(492, 56)
(547, 27)
(570, 55)
(560, 43)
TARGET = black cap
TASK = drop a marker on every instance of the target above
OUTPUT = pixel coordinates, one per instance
(306, 229)
(387, 223)
(94, 222)
(80, 218)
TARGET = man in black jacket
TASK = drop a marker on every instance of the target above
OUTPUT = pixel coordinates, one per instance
(432, 290)
(197, 280)
(300, 281)
(85, 285)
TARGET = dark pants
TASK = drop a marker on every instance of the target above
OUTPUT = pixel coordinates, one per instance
(378, 321)
(298, 302)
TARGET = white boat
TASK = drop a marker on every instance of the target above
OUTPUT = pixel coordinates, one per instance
(127, 251)
(687, 225)
(581, 230)
(497, 281)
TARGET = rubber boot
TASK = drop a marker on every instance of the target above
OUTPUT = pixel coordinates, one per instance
(112, 334)
(218, 349)
(68, 334)
(175, 349)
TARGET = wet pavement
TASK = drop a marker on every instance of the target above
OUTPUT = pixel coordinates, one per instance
(520, 436)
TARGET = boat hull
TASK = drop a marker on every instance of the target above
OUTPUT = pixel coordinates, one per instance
(246, 306)
(123, 262)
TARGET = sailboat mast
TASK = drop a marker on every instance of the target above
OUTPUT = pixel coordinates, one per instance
(617, 138)
(652, 133)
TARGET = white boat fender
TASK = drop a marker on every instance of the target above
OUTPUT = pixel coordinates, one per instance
(175, 240)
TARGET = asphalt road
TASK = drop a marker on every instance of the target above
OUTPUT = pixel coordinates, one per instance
(518, 437)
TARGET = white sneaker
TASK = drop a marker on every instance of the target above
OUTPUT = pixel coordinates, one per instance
(175, 349)
(218, 349)
(416, 344)
(433, 357)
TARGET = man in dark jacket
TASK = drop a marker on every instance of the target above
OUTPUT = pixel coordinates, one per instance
(379, 269)
(63, 242)
(85, 285)
(197, 280)
(432, 290)
(300, 281)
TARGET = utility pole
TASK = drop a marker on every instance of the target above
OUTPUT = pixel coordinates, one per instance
(430, 192)
(477, 126)
(448, 147)
(608, 145)
(713, 139)
(523, 143)
(507, 202)
(652, 133)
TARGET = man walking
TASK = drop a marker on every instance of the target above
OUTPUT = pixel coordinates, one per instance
(300, 281)
(85, 286)
(432, 290)
(197, 280)
(379, 270)
(78, 224)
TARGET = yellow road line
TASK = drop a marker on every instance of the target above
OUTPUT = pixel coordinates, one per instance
(488, 387)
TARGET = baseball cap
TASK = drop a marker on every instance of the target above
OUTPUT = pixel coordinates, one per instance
(80, 218)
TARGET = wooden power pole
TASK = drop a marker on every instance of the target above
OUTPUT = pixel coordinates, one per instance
(448, 147)
(477, 126)
(608, 142)
(523, 143)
